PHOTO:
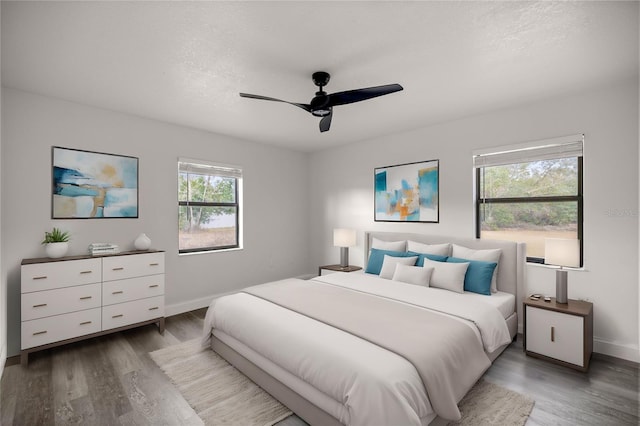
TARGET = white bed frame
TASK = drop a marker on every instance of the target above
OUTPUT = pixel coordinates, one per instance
(510, 279)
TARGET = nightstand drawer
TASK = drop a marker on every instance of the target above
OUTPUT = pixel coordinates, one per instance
(42, 304)
(556, 335)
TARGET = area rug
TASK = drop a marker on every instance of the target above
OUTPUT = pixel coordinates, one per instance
(220, 394)
(488, 404)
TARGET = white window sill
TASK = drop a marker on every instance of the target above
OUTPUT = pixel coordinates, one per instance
(210, 251)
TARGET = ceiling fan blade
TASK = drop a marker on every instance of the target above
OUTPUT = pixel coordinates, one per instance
(357, 95)
(266, 98)
(325, 123)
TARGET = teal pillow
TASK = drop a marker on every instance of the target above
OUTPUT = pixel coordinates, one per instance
(376, 257)
(478, 276)
(421, 257)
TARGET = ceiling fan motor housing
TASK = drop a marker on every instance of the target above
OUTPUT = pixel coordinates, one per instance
(319, 103)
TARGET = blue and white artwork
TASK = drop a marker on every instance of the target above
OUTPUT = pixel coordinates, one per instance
(93, 185)
(407, 192)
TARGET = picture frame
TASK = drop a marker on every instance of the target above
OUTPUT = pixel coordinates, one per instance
(407, 192)
(93, 185)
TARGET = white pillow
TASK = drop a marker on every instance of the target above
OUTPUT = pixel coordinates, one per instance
(438, 249)
(489, 255)
(446, 275)
(389, 245)
(389, 264)
(412, 274)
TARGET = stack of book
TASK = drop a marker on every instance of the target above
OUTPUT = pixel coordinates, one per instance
(102, 248)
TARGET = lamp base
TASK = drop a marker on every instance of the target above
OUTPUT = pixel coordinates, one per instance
(561, 286)
(344, 256)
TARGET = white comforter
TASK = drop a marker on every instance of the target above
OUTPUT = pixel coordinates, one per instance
(368, 385)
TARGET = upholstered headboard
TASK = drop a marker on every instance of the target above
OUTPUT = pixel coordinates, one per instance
(512, 261)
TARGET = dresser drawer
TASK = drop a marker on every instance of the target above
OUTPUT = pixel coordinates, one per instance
(556, 335)
(122, 314)
(50, 275)
(60, 327)
(121, 267)
(47, 303)
(131, 289)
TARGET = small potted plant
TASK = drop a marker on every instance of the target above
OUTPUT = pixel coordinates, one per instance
(56, 243)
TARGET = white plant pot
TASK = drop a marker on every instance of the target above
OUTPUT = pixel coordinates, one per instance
(55, 250)
(142, 242)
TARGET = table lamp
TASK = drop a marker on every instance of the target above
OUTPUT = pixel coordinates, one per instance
(344, 238)
(562, 252)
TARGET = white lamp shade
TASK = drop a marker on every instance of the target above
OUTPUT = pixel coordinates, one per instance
(344, 237)
(562, 252)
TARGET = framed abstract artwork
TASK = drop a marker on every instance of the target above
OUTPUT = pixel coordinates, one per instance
(407, 192)
(93, 185)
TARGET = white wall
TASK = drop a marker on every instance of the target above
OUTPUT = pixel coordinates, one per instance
(276, 215)
(342, 187)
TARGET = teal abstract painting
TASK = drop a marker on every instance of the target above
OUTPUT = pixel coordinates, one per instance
(407, 192)
(88, 184)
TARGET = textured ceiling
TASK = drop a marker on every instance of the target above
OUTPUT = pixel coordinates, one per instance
(186, 62)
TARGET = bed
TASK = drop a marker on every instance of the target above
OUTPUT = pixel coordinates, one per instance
(361, 348)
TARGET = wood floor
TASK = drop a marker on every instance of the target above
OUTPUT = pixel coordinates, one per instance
(111, 380)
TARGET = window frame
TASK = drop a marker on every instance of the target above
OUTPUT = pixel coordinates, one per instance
(236, 204)
(578, 198)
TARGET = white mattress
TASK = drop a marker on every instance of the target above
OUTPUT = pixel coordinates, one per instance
(505, 302)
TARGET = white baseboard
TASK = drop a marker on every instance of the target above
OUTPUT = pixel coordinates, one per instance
(628, 352)
(191, 305)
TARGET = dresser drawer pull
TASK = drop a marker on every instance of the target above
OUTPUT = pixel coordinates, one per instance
(39, 332)
(553, 334)
(117, 316)
(40, 305)
(154, 264)
(85, 297)
(154, 308)
(44, 277)
(118, 269)
(153, 285)
(85, 323)
(118, 292)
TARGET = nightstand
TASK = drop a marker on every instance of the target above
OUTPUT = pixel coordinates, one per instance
(338, 268)
(560, 333)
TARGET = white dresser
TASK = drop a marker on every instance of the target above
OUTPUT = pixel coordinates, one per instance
(73, 298)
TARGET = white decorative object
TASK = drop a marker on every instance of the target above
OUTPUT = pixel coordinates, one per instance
(55, 250)
(96, 249)
(142, 242)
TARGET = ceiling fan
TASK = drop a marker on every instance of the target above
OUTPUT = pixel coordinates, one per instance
(322, 104)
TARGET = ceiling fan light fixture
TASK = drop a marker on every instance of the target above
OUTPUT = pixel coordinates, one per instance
(322, 112)
(322, 104)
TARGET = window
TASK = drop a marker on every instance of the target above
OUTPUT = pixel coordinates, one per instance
(208, 206)
(529, 192)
